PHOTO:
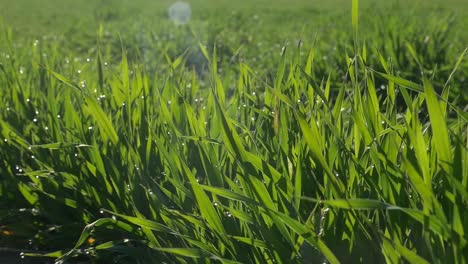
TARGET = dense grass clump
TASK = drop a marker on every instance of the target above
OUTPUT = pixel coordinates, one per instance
(252, 137)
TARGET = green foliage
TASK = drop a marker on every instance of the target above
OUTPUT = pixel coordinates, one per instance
(242, 140)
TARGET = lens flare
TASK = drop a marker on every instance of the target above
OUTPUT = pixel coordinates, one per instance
(180, 12)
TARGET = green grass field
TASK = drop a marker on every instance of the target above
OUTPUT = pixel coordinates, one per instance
(260, 132)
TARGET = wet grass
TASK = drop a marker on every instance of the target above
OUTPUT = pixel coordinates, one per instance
(250, 135)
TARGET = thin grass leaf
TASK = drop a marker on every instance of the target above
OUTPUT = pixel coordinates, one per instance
(439, 128)
(102, 120)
